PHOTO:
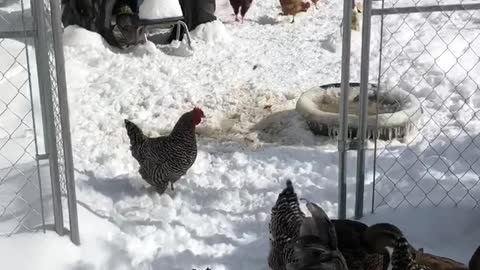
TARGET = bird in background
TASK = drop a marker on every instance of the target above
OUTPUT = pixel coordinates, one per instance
(241, 6)
(293, 7)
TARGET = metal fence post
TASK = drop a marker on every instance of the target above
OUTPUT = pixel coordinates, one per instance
(362, 125)
(343, 110)
(41, 47)
(64, 119)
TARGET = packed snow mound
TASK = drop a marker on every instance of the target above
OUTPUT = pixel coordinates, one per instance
(75, 36)
(159, 9)
(212, 32)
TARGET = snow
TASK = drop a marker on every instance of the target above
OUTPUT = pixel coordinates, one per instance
(74, 35)
(247, 78)
(159, 9)
(212, 32)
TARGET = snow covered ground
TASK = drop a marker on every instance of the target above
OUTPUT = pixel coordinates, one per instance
(218, 215)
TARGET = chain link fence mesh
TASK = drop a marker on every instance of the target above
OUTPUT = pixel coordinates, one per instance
(24, 101)
(55, 100)
(20, 194)
(62, 178)
(435, 57)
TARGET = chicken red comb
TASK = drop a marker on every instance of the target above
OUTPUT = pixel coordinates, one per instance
(199, 111)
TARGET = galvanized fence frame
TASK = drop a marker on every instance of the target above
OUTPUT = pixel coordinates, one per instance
(44, 28)
(360, 143)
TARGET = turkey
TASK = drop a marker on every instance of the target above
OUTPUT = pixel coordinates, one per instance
(474, 263)
(165, 159)
(357, 242)
(316, 248)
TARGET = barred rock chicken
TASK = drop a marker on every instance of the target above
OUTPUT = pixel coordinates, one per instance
(242, 6)
(292, 7)
(402, 258)
(165, 159)
(285, 222)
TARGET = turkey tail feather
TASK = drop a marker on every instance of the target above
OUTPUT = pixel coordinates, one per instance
(475, 260)
(134, 133)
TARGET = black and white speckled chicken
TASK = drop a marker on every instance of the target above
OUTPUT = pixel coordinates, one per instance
(401, 257)
(285, 221)
(165, 159)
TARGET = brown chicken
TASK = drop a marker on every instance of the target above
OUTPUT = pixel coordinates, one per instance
(442, 263)
(242, 6)
(292, 7)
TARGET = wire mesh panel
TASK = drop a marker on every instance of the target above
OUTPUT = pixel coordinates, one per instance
(21, 207)
(59, 129)
(432, 53)
(34, 127)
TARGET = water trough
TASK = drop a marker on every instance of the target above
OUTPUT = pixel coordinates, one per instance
(398, 111)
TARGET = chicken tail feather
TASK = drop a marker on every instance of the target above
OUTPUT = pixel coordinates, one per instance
(134, 133)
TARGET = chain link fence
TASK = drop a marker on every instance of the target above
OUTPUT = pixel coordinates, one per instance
(431, 50)
(36, 169)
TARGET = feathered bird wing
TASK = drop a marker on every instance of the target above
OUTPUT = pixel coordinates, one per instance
(316, 247)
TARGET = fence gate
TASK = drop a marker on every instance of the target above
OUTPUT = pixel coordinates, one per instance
(36, 170)
(431, 50)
